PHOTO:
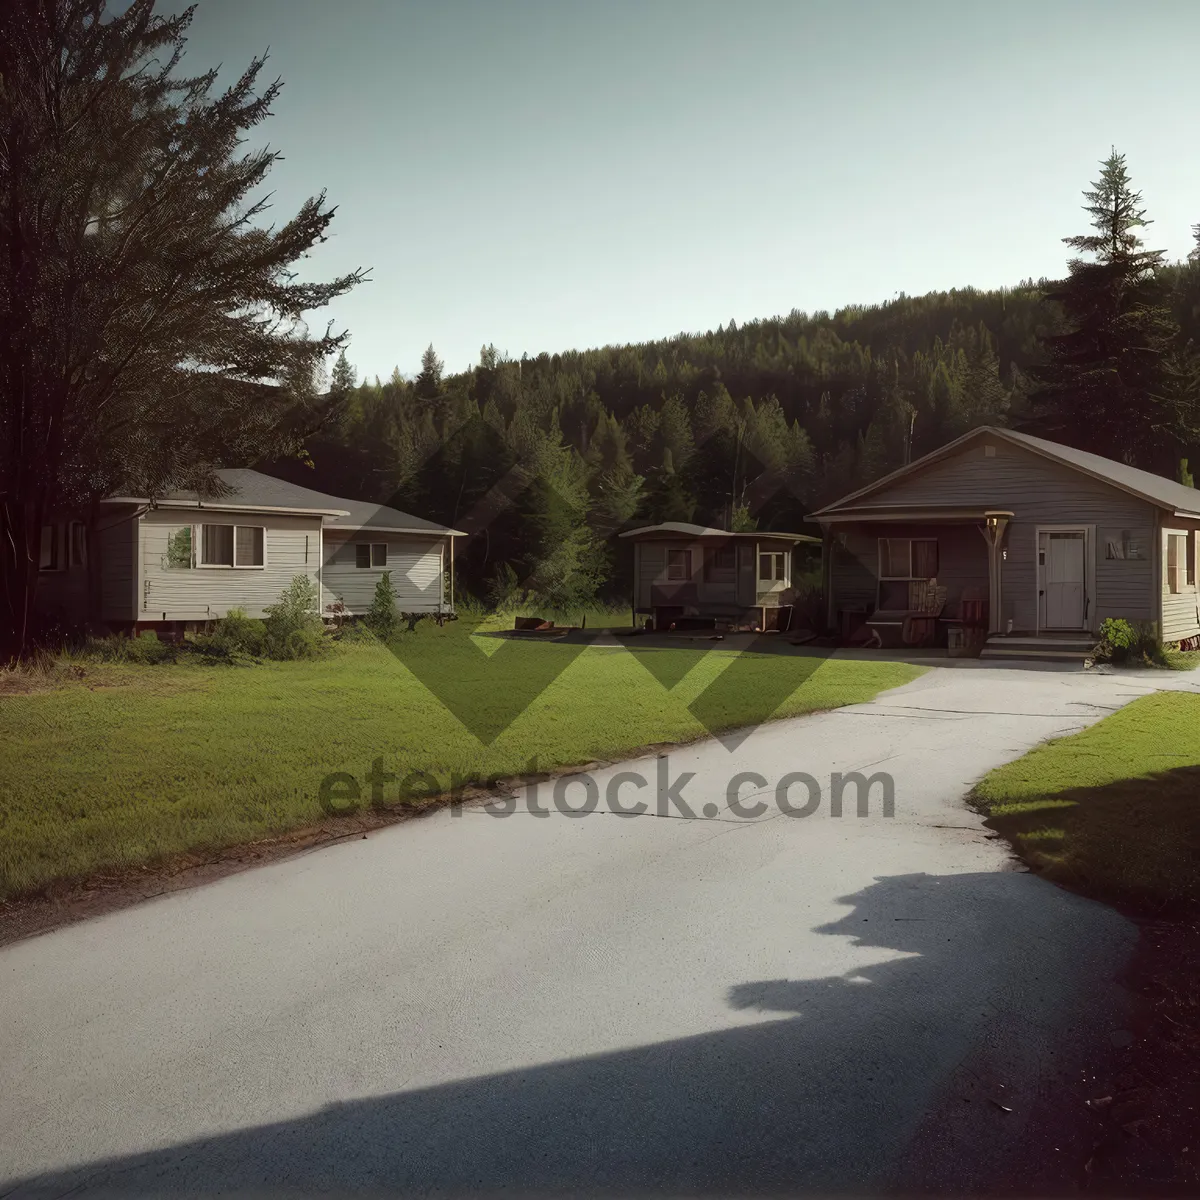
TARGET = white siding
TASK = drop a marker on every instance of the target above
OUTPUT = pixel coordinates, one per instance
(415, 564)
(293, 547)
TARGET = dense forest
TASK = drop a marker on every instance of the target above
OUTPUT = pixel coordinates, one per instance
(734, 426)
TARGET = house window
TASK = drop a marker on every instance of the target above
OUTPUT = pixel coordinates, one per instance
(50, 558)
(1180, 565)
(370, 554)
(232, 546)
(679, 564)
(1191, 559)
(248, 545)
(216, 545)
(78, 539)
(908, 558)
(179, 549)
(719, 558)
(772, 566)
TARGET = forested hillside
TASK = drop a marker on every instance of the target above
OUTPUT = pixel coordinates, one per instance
(734, 426)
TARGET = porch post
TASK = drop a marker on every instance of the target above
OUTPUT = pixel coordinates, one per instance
(827, 577)
(994, 527)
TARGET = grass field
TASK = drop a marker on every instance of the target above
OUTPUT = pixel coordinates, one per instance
(1114, 810)
(131, 764)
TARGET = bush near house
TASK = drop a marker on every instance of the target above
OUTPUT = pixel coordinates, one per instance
(1136, 643)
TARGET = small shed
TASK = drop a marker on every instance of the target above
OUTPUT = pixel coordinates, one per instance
(691, 576)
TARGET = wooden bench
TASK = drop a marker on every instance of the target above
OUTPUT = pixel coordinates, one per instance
(915, 625)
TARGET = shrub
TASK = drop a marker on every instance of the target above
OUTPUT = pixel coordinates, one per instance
(1123, 641)
(145, 648)
(234, 635)
(293, 628)
(381, 617)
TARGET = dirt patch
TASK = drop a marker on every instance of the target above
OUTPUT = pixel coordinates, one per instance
(1148, 1098)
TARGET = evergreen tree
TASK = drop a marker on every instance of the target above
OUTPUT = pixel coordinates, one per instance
(343, 380)
(151, 327)
(1109, 384)
(428, 384)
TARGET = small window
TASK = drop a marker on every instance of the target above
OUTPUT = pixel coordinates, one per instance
(179, 550)
(216, 545)
(679, 564)
(908, 558)
(50, 559)
(370, 554)
(1191, 559)
(1177, 562)
(772, 566)
(719, 559)
(78, 544)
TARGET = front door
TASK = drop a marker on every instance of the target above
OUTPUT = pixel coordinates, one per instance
(1062, 597)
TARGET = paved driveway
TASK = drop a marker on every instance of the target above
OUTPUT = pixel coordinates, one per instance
(644, 1004)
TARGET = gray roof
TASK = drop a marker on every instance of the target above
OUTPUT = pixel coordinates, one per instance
(683, 529)
(1165, 493)
(252, 490)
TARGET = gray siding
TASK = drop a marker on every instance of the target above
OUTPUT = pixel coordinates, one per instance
(1180, 610)
(415, 564)
(725, 588)
(118, 573)
(64, 594)
(1038, 492)
(293, 547)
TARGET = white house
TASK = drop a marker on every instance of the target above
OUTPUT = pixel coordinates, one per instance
(180, 558)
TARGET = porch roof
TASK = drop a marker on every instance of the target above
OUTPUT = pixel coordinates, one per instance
(938, 514)
(677, 530)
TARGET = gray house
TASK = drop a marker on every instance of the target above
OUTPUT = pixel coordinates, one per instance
(692, 575)
(179, 559)
(1035, 542)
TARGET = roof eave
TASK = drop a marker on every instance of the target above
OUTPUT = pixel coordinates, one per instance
(217, 506)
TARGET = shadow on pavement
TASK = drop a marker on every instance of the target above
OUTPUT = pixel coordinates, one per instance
(989, 981)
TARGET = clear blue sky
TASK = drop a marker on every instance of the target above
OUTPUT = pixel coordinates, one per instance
(558, 175)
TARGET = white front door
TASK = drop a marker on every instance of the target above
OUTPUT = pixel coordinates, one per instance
(1061, 576)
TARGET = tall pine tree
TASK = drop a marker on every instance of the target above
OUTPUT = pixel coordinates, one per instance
(1110, 383)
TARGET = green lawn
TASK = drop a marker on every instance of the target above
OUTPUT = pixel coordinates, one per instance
(132, 764)
(1114, 810)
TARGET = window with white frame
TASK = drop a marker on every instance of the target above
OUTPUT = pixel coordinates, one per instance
(370, 554)
(908, 558)
(232, 546)
(772, 566)
(679, 564)
(1181, 562)
(179, 549)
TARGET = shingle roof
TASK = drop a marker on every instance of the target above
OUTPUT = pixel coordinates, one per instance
(1165, 493)
(683, 529)
(254, 490)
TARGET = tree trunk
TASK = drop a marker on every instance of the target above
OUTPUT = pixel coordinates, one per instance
(20, 555)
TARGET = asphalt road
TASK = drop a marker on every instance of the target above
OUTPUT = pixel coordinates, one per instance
(645, 1004)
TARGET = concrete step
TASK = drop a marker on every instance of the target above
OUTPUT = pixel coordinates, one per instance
(1050, 641)
(1039, 655)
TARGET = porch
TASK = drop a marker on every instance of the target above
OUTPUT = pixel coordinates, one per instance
(918, 578)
